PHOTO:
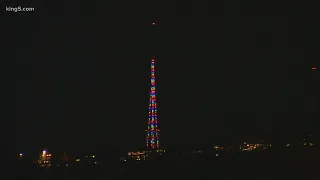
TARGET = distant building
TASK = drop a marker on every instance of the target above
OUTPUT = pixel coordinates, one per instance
(45, 159)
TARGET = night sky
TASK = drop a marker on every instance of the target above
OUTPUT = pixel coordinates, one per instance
(224, 73)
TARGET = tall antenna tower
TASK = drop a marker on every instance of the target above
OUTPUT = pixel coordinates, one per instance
(314, 89)
(152, 137)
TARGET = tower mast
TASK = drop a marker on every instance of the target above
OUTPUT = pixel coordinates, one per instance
(152, 137)
(314, 89)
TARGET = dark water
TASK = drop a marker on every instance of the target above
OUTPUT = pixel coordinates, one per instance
(239, 167)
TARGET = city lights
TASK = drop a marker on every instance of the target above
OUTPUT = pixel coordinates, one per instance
(45, 159)
(251, 147)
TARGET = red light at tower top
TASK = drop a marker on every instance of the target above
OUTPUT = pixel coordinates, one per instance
(153, 24)
(313, 68)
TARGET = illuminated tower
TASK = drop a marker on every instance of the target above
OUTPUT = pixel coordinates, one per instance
(152, 139)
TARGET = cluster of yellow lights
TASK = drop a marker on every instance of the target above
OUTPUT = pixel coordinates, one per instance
(251, 147)
(308, 144)
(218, 147)
(44, 154)
(143, 152)
(93, 156)
(136, 153)
(45, 159)
(141, 155)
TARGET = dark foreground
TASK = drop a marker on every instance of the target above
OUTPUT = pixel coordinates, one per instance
(245, 166)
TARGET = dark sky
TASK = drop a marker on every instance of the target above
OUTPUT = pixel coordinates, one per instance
(224, 73)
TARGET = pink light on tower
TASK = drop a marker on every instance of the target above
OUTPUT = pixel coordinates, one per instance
(153, 24)
(313, 68)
